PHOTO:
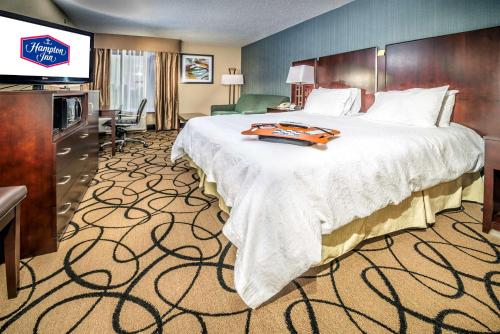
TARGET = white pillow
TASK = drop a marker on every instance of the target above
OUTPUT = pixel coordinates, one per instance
(356, 106)
(446, 111)
(330, 102)
(413, 107)
(444, 117)
(353, 104)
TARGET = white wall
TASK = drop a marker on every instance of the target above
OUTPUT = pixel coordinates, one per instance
(40, 9)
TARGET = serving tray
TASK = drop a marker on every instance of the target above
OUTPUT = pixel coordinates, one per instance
(291, 133)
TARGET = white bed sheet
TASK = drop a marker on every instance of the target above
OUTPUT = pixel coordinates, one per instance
(284, 197)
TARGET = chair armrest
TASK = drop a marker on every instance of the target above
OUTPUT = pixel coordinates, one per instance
(126, 115)
(222, 107)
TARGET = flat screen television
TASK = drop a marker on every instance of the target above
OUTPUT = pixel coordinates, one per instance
(39, 52)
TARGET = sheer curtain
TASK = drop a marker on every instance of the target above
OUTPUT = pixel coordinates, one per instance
(132, 78)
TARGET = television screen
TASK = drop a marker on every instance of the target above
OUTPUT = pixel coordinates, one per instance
(40, 52)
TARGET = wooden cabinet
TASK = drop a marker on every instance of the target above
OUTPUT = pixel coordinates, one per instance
(57, 169)
(491, 209)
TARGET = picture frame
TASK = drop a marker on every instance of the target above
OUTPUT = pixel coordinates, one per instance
(197, 68)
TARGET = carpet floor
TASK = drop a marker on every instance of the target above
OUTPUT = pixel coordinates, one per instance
(145, 253)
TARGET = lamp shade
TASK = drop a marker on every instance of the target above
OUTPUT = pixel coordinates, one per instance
(301, 74)
(232, 79)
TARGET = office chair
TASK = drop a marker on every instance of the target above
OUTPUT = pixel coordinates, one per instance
(122, 126)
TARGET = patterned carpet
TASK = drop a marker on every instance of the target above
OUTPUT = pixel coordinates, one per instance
(145, 253)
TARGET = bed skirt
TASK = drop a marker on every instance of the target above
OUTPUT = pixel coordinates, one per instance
(417, 211)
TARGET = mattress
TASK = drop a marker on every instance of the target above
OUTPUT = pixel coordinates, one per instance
(284, 198)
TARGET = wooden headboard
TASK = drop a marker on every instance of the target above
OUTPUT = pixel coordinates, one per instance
(468, 61)
(350, 69)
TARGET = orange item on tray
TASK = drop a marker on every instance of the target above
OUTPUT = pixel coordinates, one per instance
(291, 133)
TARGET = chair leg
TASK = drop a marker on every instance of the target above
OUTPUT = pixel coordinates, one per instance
(123, 142)
(134, 140)
(12, 253)
(118, 141)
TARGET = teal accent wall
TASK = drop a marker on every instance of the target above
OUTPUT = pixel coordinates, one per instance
(357, 25)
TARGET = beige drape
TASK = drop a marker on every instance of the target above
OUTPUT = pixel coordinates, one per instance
(102, 59)
(167, 96)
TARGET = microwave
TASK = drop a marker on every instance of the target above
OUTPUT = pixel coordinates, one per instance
(67, 111)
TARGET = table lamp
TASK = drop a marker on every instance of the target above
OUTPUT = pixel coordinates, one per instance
(300, 75)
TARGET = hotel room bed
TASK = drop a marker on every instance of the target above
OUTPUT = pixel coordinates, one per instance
(295, 207)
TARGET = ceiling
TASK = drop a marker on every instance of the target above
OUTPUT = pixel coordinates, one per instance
(227, 22)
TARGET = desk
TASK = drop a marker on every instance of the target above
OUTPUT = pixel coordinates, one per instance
(111, 113)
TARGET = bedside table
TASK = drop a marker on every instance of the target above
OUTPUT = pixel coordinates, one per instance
(274, 109)
(183, 118)
(491, 208)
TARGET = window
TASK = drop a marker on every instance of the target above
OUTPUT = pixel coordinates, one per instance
(132, 78)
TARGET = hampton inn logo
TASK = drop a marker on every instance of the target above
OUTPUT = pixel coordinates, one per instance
(44, 50)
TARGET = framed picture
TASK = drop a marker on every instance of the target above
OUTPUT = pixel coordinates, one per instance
(197, 68)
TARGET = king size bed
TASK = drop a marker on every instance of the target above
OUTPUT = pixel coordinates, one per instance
(293, 207)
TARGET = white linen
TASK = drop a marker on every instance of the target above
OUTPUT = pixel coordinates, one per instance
(353, 104)
(356, 105)
(329, 102)
(284, 197)
(413, 107)
(444, 117)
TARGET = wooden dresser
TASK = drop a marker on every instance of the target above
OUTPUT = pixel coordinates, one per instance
(56, 168)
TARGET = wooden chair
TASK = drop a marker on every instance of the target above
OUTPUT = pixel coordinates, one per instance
(10, 210)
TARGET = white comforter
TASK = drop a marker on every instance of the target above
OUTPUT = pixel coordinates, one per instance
(284, 197)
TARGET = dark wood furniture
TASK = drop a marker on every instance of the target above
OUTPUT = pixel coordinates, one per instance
(467, 61)
(56, 169)
(10, 213)
(491, 209)
(111, 113)
(183, 118)
(275, 109)
(350, 69)
(356, 69)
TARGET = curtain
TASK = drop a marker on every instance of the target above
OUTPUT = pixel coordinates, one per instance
(101, 74)
(167, 97)
(132, 78)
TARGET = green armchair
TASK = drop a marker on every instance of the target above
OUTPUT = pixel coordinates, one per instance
(249, 104)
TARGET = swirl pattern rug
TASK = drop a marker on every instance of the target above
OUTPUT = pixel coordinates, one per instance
(145, 254)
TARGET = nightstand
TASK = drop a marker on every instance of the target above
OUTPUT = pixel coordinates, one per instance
(275, 109)
(183, 118)
(491, 209)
